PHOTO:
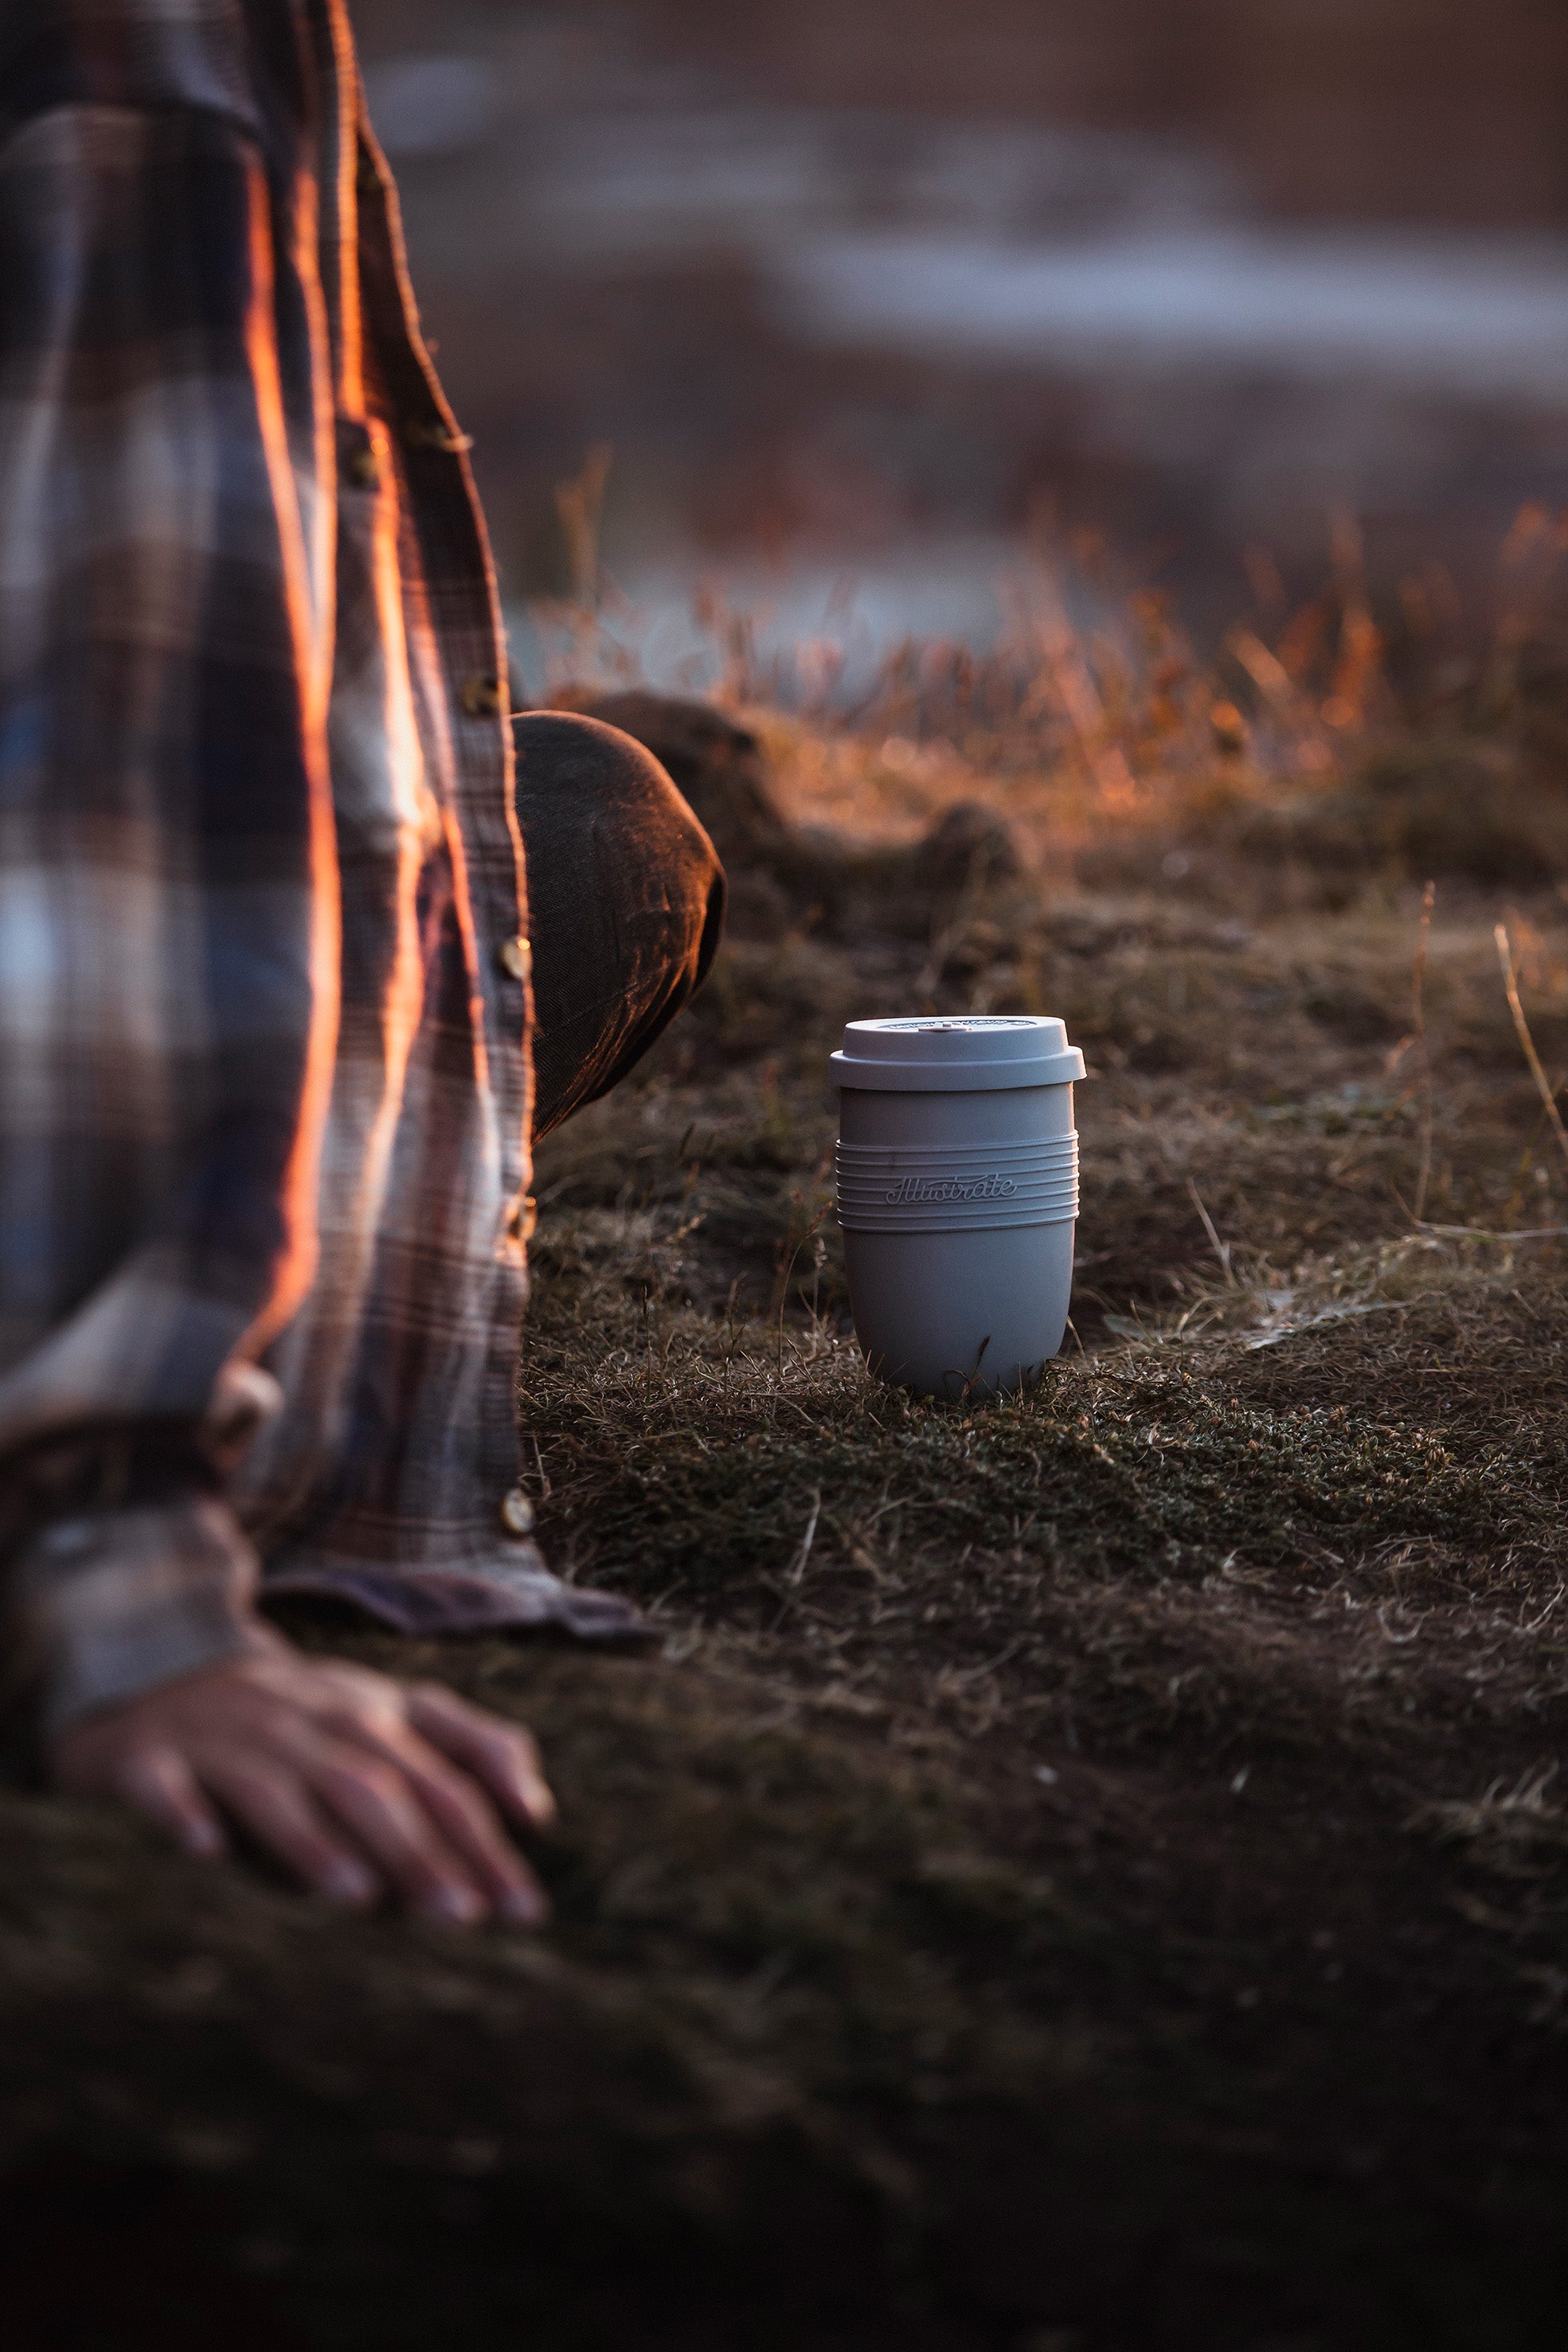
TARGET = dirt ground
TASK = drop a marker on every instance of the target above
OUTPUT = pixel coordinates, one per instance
(1082, 1876)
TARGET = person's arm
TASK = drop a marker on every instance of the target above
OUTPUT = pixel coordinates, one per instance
(167, 869)
(168, 1006)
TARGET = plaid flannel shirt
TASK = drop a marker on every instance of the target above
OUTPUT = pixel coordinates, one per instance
(264, 1085)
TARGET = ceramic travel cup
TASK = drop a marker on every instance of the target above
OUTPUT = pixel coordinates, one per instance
(957, 1194)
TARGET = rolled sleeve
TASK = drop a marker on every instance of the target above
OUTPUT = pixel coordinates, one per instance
(105, 1606)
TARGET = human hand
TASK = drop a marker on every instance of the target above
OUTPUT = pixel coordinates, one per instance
(362, 1787)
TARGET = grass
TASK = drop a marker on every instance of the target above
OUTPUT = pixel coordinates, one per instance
(1087, 1874)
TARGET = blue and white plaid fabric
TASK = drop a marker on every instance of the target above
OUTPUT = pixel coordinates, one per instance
(264, 1092)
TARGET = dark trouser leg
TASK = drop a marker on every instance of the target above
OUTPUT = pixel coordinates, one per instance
(625, 905)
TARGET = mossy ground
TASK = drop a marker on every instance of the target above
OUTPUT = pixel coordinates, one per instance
(1084, 1876)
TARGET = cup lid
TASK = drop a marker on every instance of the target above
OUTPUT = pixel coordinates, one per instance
(960, 1052)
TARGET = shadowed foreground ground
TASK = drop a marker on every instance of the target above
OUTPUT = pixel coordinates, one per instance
(1084, 1877)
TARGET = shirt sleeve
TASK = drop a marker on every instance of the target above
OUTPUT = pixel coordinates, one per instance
(168, 886)
(103, 1608)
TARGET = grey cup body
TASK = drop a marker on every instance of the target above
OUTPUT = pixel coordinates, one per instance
(958, 1204)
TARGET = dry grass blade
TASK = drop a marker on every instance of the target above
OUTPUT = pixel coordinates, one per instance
(1221, 1249)
(796, 1567)
(1478, 1234)
(1513, 1829)
(1418, 1023)
(1547, 1090)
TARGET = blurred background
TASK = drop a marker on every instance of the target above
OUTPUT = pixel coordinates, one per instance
(831, 303)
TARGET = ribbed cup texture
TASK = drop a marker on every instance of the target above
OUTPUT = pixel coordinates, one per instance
(955, 1189)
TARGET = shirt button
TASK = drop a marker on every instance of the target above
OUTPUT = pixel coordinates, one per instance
(517, 1513)
(516, 958)
(420, 434)
(482, 696)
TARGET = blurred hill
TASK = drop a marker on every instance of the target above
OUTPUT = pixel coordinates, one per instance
(863, 286)
(1427, 109)
(1415, 109)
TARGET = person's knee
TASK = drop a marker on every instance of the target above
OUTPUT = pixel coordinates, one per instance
(626, 900)
(576, 773)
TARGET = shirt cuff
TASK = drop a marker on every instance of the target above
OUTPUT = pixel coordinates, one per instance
(108, 1604)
